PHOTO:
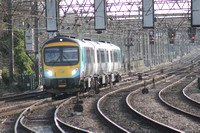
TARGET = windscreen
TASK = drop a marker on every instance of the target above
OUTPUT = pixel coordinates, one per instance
(61, 56)
(70, 54)
(52, 55)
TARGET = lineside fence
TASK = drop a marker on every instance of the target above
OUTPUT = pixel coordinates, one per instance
(27, 81)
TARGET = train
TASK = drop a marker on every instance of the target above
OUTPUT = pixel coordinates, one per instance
(73, 65)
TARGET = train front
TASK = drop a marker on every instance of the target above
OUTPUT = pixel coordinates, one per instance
(61, 65)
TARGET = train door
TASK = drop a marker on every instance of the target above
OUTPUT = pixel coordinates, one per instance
(89, 61)
(107, 61)
(116, 61)
(113, 57)
(112, 63)
(92, 60)
(119, 60)
(85, 62)
(103, 62)
(95, 61)
(98, 61)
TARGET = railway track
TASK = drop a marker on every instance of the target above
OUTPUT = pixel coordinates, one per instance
(61, 124)
(118, 106)
(191, 92)
(22, 96)
(38, 117)
(15, 104)
(147, 75)
(11, 106)
(158, 112)
(175, 98)
(112, 107)
(15, 109)
(65, 120)
(187, 61)
(19, 126)
(84, 127)
(21, 106)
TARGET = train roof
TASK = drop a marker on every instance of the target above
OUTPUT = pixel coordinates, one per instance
(98, 45)
(82, 43)
(59, 39)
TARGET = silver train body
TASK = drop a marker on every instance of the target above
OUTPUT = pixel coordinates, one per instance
(72, 65)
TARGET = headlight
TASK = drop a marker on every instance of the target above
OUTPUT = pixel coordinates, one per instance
(49, 72)
(74, 71)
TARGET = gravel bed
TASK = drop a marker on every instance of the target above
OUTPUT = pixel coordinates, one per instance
(194, 92)
(175, 97)
(41, 120)
(7, 124)
(150, 105)
(116, 109)
(13, 103)
(89, 118)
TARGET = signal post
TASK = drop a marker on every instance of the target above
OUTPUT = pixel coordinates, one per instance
(130, 43)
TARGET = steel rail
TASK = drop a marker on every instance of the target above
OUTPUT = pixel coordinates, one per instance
(188, 97)
(172, 106)
(19, 96)
(21, 117)
(167, 127)
(100, 101)
(59, 121)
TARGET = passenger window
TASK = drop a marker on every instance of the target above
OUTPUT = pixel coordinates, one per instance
(115, 56)
(102, 57)
(107, 56)
(98, 56)
(88, 57)
(111, 56)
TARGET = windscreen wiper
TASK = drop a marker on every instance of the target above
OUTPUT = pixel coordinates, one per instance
(67, 58)
(54, 62)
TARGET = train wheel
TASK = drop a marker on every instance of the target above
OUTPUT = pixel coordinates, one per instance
(82, 89)
(91, 92)
(82, 86)
(106, 84)
(110, 82)
(96, 86)
(118, 78)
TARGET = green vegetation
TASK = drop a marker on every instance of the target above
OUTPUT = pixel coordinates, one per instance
(23, 65)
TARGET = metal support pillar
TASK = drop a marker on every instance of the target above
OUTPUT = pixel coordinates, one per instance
(129, 59)
(11, 45)
(159, 48)
(144, 49)
(140, 47)
(37, 59)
